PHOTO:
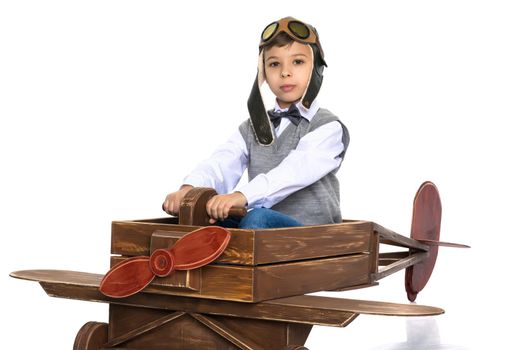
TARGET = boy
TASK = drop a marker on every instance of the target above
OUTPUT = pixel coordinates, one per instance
(292, 153)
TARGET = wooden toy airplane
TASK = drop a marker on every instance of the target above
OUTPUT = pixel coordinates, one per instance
(177, 284)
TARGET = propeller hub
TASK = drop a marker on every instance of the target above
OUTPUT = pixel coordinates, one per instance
(161, 262)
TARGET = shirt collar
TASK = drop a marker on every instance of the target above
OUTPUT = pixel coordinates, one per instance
(307, 113)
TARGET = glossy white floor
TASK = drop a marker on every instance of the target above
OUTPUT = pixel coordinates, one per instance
(407, 334)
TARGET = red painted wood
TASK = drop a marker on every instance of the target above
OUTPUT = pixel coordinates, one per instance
(193, 250)
(127, 278)
(426, 224)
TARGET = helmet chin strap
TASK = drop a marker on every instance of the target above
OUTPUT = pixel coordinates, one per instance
(259, 119)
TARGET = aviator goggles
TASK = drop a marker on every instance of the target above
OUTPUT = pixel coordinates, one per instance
(295, 29)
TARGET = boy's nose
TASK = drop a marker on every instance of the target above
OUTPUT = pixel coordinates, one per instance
(285, 74)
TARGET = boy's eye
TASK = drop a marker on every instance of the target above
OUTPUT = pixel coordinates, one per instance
(273, 64)
(298, 61)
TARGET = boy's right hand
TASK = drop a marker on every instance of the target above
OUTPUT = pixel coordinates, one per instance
(171, 204)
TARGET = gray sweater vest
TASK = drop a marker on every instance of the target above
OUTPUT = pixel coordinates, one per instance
(315, 204)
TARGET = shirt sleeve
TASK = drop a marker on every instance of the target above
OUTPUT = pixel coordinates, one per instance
(223, 170)
(317, 154)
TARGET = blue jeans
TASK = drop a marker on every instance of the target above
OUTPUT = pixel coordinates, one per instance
(260, 218)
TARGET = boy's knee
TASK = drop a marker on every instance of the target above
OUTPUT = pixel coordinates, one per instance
(255, 218)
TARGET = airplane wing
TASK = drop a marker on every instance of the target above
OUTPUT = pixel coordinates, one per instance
(305, 309)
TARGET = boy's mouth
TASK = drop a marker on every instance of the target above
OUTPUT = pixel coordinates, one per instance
(287, 88)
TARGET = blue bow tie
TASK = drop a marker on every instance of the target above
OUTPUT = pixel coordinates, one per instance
(292, 113)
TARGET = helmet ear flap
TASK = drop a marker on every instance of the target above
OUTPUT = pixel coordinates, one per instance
(259, 119)
(261, 73)
(316, 78)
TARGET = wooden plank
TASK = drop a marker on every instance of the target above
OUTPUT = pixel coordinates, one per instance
(391, 257)
(248, 247)
(235, 338)
(183, 332)
(306, 309)
(137, 327)
(265, 334)
(391, 238)
(124, 319)
(189, 280)
(366, 307)
(310, 242)
(164, 240)
(254, 284)
(133, 238)
(224, 282)
(281, 280)
(136, 332)
(84, 286)
(298, 333)
(257, 334)
(402, 264)
(374, 250)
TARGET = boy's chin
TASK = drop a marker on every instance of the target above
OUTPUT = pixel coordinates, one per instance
(287, 102)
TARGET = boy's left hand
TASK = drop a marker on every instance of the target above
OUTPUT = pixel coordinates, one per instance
(219, 206)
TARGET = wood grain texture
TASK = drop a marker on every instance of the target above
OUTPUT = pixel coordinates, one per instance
(91, 336)
(193, 207)
(224, 282)
(180, 333)
(311, 242)
(281, 280)
(193, 250)
(258, 283)
(142, 329)
(238, 339)
(249, 247)
(189, 280)
(390, 237)
(305, 309)
(131, 238)
(400, 264)
(136, 328)
(426, 224)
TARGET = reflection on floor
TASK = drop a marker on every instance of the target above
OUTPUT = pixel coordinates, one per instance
(422, 333)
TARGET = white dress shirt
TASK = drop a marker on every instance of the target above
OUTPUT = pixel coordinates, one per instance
(317, 154)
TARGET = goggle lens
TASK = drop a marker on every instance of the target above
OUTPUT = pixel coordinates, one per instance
(299, 29)
(269, 31)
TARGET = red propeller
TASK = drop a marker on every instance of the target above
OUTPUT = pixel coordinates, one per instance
(193, 250)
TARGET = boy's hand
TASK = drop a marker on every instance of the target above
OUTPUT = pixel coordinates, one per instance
(171, 204)
(219, 206)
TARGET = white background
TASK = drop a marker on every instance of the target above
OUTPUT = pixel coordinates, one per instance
(106, 105)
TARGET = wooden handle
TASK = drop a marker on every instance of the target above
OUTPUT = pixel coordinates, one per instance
(234, 211)
(237, 211)
(193, 207)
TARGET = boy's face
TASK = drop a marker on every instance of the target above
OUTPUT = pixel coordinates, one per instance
(287, 71)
